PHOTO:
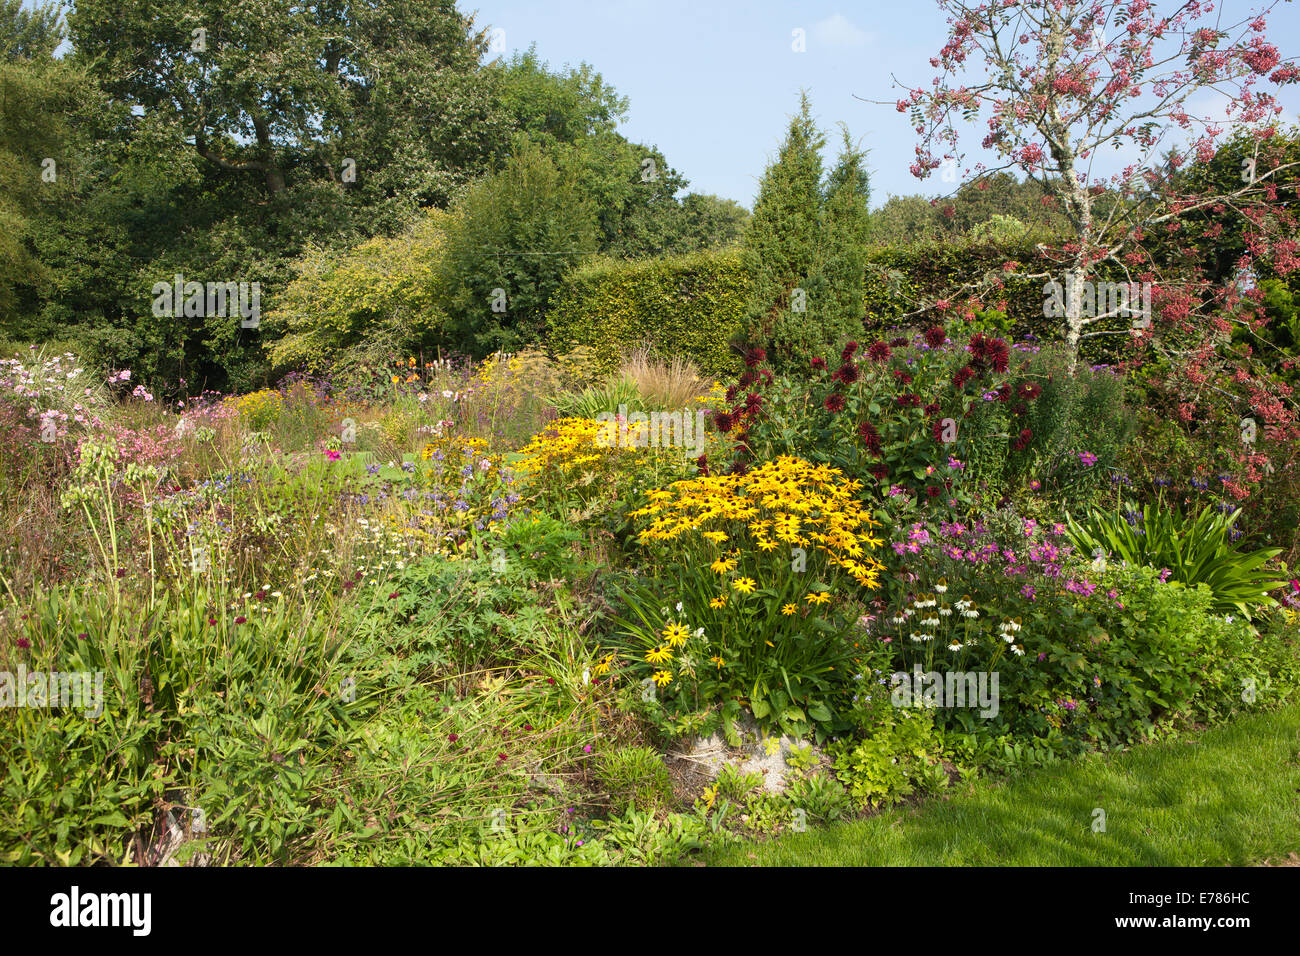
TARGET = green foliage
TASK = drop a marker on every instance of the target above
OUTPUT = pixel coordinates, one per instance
(518, 232)
(905, 280)
(636, 779)
(804, 246)
(993, 207)
(689, 305)
(617, 392)
(380, 299)
(1194, 549)
(31, 33)
(902, 755)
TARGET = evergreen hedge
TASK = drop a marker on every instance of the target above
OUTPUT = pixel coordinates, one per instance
(690, 305)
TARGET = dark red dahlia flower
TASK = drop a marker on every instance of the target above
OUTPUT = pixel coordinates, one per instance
(847, 373)
(870, 437)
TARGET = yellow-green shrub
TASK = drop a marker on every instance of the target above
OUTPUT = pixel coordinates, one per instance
(688, 305)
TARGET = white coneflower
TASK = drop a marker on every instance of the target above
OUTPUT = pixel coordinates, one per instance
(898, 620)
(1018, 650)
(927, 637)
(941, 588)
(930, 622)
(916, 637)
(964, 604)
(970, 614)
(955, 646)
(945, 611)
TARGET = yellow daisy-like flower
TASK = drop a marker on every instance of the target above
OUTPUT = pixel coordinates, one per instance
(717, 537)
(658, 655)
(767, 544)
(789, 609)
(722, 565)
(817, 597)
(718, 602)
(602, 666)
(662, 678)
(716, 660)
(744, 585)
(675, 634)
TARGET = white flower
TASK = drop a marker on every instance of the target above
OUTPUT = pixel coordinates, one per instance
(955, 646)
(941, 588)
(1018, 651)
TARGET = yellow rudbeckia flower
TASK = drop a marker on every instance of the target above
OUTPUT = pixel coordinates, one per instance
(658, 655)
(675, 634)
(744, 585)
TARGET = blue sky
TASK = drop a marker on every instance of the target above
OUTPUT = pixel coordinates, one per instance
(713, 84)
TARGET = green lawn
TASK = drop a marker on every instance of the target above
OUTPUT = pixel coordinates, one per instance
(1228, 796)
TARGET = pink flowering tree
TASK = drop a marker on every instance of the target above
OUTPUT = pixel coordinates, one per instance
(1060, 85)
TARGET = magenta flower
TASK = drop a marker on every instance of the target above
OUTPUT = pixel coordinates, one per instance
(332, 454)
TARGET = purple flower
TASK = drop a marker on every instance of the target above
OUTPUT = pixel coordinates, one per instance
(1088, 458)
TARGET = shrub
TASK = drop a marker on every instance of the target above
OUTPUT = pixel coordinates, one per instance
(518, 232)
(380, 298)
(690, 306)
(1190, 550)
(900, 756)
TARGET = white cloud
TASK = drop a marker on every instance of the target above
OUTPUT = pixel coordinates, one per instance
(838, 31)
